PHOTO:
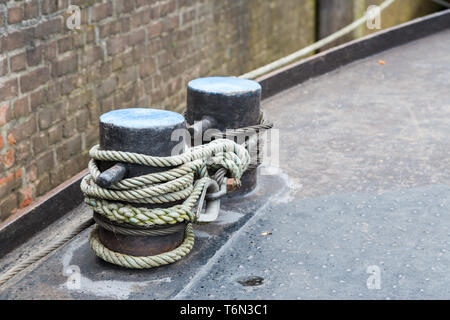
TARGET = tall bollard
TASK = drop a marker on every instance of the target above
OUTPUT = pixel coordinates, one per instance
(149, 132)
(225, 103)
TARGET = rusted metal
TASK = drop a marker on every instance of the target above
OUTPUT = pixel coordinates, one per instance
(140, 245)
(231, 184)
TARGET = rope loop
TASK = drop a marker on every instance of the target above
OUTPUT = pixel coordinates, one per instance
(187, 178)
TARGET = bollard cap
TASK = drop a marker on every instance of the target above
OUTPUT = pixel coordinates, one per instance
(148, 131)
(142, 118)
(224, 85)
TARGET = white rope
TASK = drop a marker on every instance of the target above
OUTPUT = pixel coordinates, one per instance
(312, 48)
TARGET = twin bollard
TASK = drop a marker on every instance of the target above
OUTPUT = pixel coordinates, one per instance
(148, 220)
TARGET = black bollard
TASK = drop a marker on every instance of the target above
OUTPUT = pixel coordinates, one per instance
(145, 131)
(231, 103)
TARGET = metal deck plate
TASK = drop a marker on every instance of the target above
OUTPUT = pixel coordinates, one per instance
(365, 181)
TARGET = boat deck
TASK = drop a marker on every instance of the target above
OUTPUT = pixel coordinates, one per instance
(363, 183)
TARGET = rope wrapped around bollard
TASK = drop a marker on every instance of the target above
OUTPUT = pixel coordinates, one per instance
(188, 178)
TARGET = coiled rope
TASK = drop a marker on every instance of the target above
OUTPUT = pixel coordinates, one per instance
(186, 180)
(249, 136)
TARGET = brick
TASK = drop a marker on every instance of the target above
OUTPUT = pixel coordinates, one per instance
(69, 149)
(107, 87)
(2, 143)
(47, 28)
(50, 50)
(54, 134)
(45, 163)
(57, 176)
(26, 196)
(11, 139)
(124, 6)
(8, 206)
(65, 44)
(43, 185)
(64, 66)
(18, 62)
(136, 37)
(24, 130)
(171, 23)
(115, 45)
(82, 121)
(53, 114)
(5, 113)
(125, 24)
(79, 101)
(15, 15)
(101, 11)
(91, 137)
(31, 172)
(90, 36)
(7, 184)
(14, 40)
(188, 16)
(46, 118)
(21, 107)
(67, 85)
(164, 9)
(155, 29)
(127, 76)
(34, 79)
(18, 173)
(145, 16)
(75, 164)
(107, 104)
(34, 56)
(51, 6)
(31, 10)
(40, 143)
(53, 92)
(3, 66)
(91, 55)
(8, 158)
(78, 40)
(23, 152)
(37, 98)
(69, 128)
(8, 89)
(146, 68)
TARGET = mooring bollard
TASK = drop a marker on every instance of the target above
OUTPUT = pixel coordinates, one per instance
(224, 103)
(148, 132)
(147, 188)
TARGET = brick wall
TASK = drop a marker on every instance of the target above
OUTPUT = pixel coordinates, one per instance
(55, 82)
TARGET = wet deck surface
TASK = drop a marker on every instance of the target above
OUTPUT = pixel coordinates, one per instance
(364, 182)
